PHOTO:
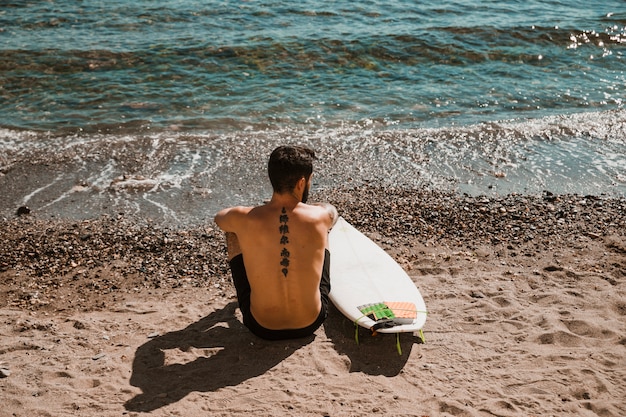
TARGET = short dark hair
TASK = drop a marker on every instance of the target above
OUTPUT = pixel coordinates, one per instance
(287, 165)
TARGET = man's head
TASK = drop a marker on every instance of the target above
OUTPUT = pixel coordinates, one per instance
(288, 165)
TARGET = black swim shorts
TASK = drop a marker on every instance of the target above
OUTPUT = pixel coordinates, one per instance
(242, 286)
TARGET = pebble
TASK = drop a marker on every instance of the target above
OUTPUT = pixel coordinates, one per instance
(22, 211)
(553, 268)
(5, 372)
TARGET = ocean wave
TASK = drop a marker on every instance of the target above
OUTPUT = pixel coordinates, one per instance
(435, 44)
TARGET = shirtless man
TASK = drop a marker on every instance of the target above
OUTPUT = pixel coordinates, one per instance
(278, 252)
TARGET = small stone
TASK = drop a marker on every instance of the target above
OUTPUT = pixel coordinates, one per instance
(553, 268)
(5, 372)
(99, 356)
(23, 211)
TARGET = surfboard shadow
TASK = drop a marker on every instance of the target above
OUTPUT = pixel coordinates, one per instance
(373, 355)
(220, 352)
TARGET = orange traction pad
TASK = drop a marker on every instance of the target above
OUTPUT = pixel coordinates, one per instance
(403, 309)
(400, 312)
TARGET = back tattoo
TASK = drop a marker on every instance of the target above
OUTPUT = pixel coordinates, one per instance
(284, 240)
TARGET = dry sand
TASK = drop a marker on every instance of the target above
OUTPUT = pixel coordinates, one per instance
(526, 298)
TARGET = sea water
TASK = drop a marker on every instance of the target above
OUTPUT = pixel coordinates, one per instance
(170, 109)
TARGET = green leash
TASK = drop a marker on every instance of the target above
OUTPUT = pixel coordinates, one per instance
(398, 346)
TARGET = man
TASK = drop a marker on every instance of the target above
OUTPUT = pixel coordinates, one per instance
(278, 252)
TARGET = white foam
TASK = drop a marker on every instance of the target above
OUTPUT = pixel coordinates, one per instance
(180, 175)
(167, 212)
(27, 197)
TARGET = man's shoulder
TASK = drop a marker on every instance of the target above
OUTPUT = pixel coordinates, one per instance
(236, 211)
(230, 218)
(316, 207)
(323, 212)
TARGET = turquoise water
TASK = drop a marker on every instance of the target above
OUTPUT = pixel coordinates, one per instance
(476, 96)
(212, 64)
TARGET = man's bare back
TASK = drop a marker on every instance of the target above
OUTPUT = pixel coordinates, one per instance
(283, 246)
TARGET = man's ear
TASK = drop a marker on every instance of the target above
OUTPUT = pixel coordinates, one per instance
(301, 184)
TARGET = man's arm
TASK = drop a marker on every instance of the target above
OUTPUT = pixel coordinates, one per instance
(227, 220)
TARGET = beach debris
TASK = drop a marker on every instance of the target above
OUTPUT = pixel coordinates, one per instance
(4, 372)
(99, 356)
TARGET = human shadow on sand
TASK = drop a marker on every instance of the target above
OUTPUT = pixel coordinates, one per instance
(373, 355)
(219, 352)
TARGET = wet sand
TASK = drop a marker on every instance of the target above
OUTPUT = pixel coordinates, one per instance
(527, 316)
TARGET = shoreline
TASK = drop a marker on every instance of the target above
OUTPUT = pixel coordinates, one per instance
(526, 298)
(183, 178)
(126, 253)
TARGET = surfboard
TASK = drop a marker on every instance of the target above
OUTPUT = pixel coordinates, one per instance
(369, 287)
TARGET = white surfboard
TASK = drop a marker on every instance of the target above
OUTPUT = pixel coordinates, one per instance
(365, 279)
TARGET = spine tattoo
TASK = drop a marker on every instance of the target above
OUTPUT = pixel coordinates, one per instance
(284, 240)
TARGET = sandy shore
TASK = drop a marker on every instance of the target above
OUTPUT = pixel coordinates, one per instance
(526, 298)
